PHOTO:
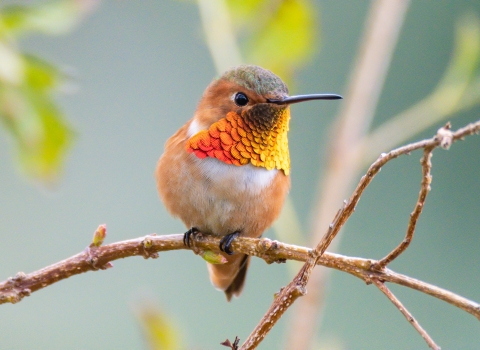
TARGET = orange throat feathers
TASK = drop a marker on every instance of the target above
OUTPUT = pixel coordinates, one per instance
(240, 140)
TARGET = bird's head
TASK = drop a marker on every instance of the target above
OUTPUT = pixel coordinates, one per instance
(243, 118)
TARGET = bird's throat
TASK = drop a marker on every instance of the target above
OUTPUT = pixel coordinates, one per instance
(240, 140)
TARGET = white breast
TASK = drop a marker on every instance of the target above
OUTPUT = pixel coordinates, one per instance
(245, 178)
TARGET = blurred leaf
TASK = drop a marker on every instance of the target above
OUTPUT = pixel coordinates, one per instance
(28, 84)
(11, 64)
(52, 18)
(457, 90)
(37, 125)
(244, 10)
(42, 75)
(280, 34)
(157, 327)
(463, 65)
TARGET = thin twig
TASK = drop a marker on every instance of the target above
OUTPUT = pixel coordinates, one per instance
(383, 288)
(422, 196)
(282, 302)
(289, 294)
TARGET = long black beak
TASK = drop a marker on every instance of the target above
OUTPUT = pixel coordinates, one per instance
(301, 98)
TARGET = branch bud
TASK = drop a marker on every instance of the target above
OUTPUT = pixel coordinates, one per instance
(99, 236)
(445, 136)
(213, 258)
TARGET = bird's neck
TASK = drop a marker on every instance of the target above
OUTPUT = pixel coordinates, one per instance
(240, 140)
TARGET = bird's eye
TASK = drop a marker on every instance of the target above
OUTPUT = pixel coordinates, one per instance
(240, 99)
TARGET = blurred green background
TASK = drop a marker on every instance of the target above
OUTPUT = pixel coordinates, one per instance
(139, 69)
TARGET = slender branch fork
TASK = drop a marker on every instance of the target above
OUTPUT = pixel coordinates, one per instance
(96, 256)
(380, 285)
(297, 287)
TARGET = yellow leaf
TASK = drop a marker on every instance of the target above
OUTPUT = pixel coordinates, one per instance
(158, 328)
(286, 38)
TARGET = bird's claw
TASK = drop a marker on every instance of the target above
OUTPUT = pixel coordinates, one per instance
(186, 236)
(226, 242)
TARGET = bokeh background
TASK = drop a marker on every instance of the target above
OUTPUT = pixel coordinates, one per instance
(139, 68)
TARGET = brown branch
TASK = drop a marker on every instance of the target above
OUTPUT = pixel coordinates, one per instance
(424, 189)
(380, 285)
(15, 288)
(289, 294)
(96, 257)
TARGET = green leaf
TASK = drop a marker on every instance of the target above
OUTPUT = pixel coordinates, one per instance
(42, 75)
(28, 83)
(39, 130)
(52, 18)
(28, 111)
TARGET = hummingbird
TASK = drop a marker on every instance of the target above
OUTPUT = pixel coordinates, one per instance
(226, 172)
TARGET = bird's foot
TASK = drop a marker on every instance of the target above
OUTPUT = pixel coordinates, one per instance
(187, 235)
(226, 242)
